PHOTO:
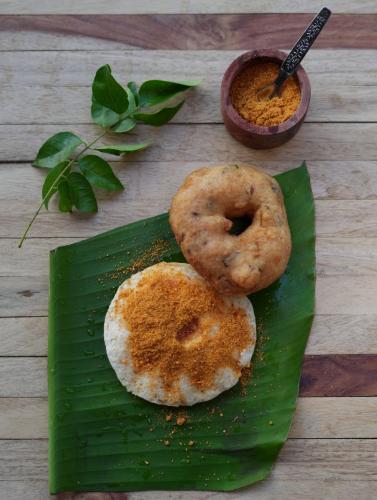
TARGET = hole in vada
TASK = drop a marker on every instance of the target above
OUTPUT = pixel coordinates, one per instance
(240, 224)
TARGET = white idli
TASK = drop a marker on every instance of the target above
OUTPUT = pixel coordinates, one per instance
(151, 384)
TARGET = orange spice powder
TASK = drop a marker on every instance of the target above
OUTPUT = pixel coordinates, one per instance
(150, 256)
(170, 319)
(264, 112)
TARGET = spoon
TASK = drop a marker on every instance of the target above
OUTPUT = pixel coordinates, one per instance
(296, 55)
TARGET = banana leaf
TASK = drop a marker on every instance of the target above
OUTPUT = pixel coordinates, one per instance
(101, 438)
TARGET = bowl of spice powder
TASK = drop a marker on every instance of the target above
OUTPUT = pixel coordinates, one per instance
(263, 123)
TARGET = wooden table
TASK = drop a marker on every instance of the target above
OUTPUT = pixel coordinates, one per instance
(47, 63)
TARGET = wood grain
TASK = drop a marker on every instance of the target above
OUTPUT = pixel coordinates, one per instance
(204, 31)
(24, 418)
(345, 333)
(158, 181)
(62, 94)
(350, 219)
(323, 375)
(24, 336)
(346, 261)
(46, 67)
(28, 379)
(314, 142)
(320, 460)
(339, 375)
(337, 256)
(321, 418)
(330, 180)
(291, 489)
(27, 295)
(76, 68)
(180, 6)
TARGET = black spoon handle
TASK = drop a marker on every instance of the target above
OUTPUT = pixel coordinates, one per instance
(302, 46)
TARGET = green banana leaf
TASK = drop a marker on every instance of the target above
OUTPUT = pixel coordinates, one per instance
(104, 439)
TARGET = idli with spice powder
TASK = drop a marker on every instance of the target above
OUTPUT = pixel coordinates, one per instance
(173, 340)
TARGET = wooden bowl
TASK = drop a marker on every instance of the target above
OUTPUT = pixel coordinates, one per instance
(256, 136)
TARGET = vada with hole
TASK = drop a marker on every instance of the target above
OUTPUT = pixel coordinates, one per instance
(202, 216)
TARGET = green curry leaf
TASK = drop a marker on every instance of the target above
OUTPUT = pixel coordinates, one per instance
(116, 109)
(104, 117)
(124, 126)
(81, 193)
(119, 149)
(56, 149)
(160, 117)
(133, 87)
(99, 173)
(153, 92)
(108, 92)
(65, 200)
(52, 180)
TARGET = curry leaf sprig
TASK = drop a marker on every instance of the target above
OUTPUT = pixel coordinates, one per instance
(73, 172)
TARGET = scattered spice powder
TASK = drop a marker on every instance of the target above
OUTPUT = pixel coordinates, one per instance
(160, 308)
(149, 257)
(181, 420)
(245, 378)
(264, 112)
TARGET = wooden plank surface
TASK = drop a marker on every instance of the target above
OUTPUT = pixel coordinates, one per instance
(26, 294)
(339, 256)
(335, 375)
(315, 418)
(307, 468)
(339, 375)
(348, 188)
(294, 489)
(198, 32)
(23, 296)
(314, 142)
(180, 6)
(46, 67)
(344, 263)
(331, 334)
(62, 95)
(25, 336)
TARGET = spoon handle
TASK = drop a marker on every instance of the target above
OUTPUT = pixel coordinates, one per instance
(304, 43)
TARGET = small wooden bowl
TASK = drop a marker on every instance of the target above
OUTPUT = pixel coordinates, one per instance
(256, 136)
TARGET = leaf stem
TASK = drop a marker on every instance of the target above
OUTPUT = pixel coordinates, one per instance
(53, 185)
